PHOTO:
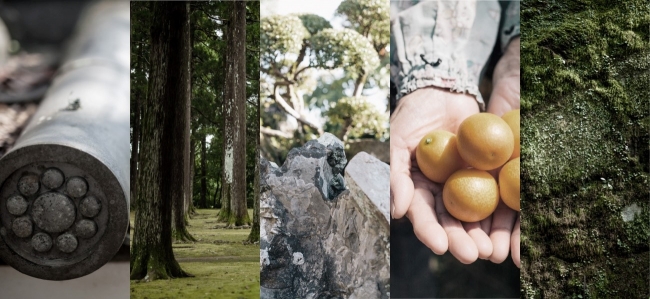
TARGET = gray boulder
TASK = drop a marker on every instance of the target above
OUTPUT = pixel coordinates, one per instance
(319, 239)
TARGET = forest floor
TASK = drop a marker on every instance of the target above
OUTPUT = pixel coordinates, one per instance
(223, 265)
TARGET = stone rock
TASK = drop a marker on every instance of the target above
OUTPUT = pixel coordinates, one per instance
(367, 176)
(376, 148)
(319, 240)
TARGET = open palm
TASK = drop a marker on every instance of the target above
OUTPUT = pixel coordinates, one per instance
(415, 196)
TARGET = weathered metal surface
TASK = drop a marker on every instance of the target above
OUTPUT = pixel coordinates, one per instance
(64, 186)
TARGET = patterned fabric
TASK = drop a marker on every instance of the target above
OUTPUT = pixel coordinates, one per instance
(446, 43)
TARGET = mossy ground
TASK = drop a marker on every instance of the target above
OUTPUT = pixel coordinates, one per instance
(585, 146)
(223, 265)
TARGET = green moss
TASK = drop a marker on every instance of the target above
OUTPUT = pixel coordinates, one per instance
(585, 124)
(223, 264)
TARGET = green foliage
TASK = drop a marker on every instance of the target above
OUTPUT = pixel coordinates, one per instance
(280, 36)
(345, 49)
(585, 135)
(207, 25)
(358, 118)
(370, 18)
(314, 23)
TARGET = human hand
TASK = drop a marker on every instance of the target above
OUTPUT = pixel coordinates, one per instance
(415, 196)
(505, 97)
(505, 81)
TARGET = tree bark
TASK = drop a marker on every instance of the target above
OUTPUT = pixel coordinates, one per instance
(135, 139)
(162, 152)
(254, 236)
(204, 174)
(234, 210)
(189, 203)
(181, 127)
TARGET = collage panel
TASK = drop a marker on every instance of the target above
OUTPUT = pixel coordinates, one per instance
(64, 147)
(585, 154)
(324, 204)
(195, 111)
(254, 157)
(455, 149)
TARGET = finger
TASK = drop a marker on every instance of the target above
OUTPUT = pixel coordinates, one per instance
(401, 183)
(425, 225)
(481, 239)
(486, 225)
(514, 243)
(461, 244)
(503, 220)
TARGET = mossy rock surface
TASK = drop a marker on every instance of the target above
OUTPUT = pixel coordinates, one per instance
(585, 100)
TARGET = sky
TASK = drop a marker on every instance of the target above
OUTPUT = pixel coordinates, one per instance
(323, 8)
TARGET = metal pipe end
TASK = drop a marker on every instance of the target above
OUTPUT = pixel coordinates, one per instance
(63, 213)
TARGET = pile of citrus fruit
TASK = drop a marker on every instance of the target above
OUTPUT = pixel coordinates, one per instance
(484, 142)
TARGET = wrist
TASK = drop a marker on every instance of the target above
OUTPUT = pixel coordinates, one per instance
(509, 64)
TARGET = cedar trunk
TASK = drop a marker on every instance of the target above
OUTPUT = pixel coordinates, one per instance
(233, 209)
(181, 127)
(162, 151)
(204, 173)
(189, 203)
(255, 231)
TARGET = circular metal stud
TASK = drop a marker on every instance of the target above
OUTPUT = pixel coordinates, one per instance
(17, 205)
(90, 207)
(41, 242)
(52, 178)
(28, 185)
(22, 227)
(53, 212)
(85, 228)
(66, 243)
(76, 187)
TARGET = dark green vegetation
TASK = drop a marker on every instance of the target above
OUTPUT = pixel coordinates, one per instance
(194, 93)
(223, 266)
(585, 139)
(207, 68)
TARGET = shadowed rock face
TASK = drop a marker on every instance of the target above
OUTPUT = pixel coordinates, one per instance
(319, 240)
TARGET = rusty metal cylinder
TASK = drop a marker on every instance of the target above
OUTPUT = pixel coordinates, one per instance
(64, 186)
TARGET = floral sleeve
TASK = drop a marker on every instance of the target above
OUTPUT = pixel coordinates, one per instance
(444, 44)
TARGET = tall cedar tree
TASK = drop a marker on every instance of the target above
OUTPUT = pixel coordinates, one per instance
(162, 156)
(233, 209)
(182, 117)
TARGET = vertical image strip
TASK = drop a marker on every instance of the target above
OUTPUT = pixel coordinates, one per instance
(584, 151)
(454, 150)
(64, 149)
(324, 202)
(194, 155)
